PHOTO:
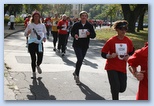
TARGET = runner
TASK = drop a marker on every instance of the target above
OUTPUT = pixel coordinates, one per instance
(117, 50)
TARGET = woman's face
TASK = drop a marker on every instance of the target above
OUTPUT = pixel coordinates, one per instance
(36, 18)
(121, 31)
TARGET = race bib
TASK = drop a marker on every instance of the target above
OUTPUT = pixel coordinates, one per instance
(55, 23)
(82, 33)
(121, 50)
(64, 27)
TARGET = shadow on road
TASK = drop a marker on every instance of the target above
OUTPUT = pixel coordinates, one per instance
(90, 95)
(39, 91)
(89, 63)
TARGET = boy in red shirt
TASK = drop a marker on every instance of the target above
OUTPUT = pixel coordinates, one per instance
(117, 50)
(140, 57)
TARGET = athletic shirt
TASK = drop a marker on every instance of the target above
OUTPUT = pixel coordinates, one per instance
(140, 57)
(64, 24)
(48, 21)
(40, 29)
(54, 24)
(121, 47)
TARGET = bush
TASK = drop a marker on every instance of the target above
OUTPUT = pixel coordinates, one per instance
(6, 20)
(19, 20)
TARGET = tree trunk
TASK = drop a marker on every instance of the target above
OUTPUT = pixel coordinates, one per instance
(131, 16)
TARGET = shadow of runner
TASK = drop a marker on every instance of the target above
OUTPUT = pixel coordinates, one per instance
(90, 95)
(89, 63)
(39, 91)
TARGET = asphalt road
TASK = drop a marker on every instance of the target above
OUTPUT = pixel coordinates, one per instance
(57, 82)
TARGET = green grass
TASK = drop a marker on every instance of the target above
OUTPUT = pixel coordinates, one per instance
(138, 38)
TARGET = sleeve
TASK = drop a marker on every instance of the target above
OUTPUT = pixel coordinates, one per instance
(74, 30)
(133, 60)
(106, 47)
(131, 47)
(26, 30)
(92, 32)
(44, 31)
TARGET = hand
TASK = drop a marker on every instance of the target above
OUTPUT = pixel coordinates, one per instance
(139, 75)
(113, 55)
(126, 57)
(76, 36)
(87, 33)
(44, 39)
(29, 31)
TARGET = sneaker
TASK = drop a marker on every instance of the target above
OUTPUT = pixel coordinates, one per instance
(39, 70)
(33, 75)
(74, 75)
(54, 49)
(58, 50)
(63, 54)
(77, 80)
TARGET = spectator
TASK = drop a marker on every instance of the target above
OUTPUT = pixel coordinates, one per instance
(12, 20)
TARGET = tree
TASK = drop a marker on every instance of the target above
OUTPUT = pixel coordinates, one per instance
(131, 14)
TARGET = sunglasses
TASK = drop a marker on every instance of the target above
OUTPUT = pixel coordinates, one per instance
(123, 28)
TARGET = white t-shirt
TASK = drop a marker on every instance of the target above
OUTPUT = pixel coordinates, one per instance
(40, 29)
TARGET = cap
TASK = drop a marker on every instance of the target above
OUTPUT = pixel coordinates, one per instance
(121, 25)
(35, 12)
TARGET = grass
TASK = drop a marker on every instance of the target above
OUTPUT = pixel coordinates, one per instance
(138, 38)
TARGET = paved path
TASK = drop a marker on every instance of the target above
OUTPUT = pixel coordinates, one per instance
(56, 82)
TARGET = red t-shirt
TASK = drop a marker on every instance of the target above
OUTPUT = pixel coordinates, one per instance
(26, 22)
(64, 24)
(140, 57)
(121, 47)
(48, 22)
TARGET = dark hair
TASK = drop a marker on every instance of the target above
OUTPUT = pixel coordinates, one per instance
(120, 24)
(35, 12)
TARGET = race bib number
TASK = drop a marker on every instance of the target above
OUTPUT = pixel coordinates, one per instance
(64, 27)
(121, 50)
(82, 33)
(55, 23)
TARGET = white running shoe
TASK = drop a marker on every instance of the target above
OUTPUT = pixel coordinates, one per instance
(39, 70)
(33, 75)
(74, 74)
(77, 80)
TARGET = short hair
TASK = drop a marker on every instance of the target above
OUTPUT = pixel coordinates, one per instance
(120, 23)
(83, 12)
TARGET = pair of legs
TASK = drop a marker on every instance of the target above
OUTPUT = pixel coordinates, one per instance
(36, 56)
(55, 37)
(62, 42)
(80, 54)
(48, 31)
(118, 83)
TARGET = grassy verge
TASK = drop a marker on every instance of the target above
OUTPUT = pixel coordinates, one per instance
(138, 38)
